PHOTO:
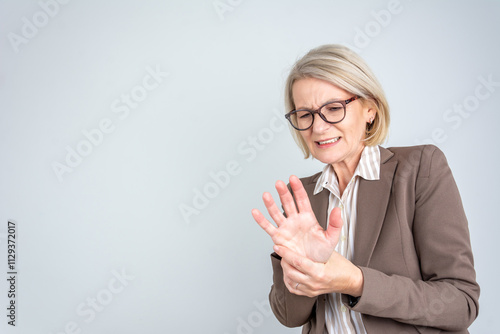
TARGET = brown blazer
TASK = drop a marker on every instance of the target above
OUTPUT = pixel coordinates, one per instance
(412, 245)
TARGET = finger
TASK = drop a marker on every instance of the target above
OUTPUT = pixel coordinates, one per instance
(264, 223)
(308, 283)
(290, 285)
(286, 199)
(291, 278)
(293, 274)
(301, 263)
(301, 198)
(294, 287)
(296, 282)
(273, 209)
(334, 226)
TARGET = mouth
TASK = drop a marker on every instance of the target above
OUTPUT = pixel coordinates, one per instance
(327, 142)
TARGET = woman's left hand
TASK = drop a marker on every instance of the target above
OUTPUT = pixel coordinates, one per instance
(305, 277)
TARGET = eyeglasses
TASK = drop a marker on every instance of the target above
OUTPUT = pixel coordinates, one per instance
(331, 112)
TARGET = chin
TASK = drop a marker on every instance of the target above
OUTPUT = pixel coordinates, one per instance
(324, 158)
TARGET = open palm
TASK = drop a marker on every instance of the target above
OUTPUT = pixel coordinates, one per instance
(298, 229)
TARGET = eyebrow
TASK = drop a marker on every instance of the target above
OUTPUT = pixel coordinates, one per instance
(329, 101)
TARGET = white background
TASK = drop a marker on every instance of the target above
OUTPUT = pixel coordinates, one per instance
(119, 208)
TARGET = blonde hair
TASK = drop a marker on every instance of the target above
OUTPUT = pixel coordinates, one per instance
(345, 69)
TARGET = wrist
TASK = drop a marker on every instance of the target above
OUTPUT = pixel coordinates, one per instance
(357, 282)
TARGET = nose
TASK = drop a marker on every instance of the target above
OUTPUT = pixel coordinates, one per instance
(319, 125)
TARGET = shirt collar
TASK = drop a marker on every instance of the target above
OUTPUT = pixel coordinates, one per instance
(368, 168)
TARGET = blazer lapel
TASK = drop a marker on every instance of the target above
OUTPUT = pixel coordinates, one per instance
(373, 198)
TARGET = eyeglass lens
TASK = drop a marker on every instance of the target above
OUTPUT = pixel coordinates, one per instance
(333, 112)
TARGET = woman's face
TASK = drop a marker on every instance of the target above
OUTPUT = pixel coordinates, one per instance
(332, 143)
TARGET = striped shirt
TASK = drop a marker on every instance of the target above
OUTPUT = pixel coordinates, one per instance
(340, 319)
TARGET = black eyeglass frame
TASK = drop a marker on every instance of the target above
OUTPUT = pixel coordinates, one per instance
(344, 103)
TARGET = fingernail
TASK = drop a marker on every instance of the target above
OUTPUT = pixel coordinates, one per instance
(276, 248)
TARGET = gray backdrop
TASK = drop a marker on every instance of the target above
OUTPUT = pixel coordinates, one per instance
(136, 136)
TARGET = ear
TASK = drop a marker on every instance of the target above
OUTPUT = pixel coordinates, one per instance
(370, 111)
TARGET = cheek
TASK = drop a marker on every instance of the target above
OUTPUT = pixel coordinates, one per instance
(356, 125)
(306, 137)
(354, 134)
(358, 128)
(360, 131)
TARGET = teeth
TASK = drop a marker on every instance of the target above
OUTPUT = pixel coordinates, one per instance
(329, 141)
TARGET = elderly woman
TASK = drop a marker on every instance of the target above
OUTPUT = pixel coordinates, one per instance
(378, 241)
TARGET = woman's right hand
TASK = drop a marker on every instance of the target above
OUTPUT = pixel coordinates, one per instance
(299, 230)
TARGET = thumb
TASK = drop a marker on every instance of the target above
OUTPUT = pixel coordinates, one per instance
(334, 226)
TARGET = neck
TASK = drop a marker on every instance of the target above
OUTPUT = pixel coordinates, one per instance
(345, 169)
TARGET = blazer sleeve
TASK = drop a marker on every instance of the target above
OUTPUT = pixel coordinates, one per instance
(446, 296)
(290, 309)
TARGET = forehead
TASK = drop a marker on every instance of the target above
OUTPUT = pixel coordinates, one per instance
(311, 93)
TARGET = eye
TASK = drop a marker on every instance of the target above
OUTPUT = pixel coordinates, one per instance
(302, 114)
(334, 108)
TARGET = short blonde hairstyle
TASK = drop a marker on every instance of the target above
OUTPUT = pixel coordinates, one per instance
(345, 69)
